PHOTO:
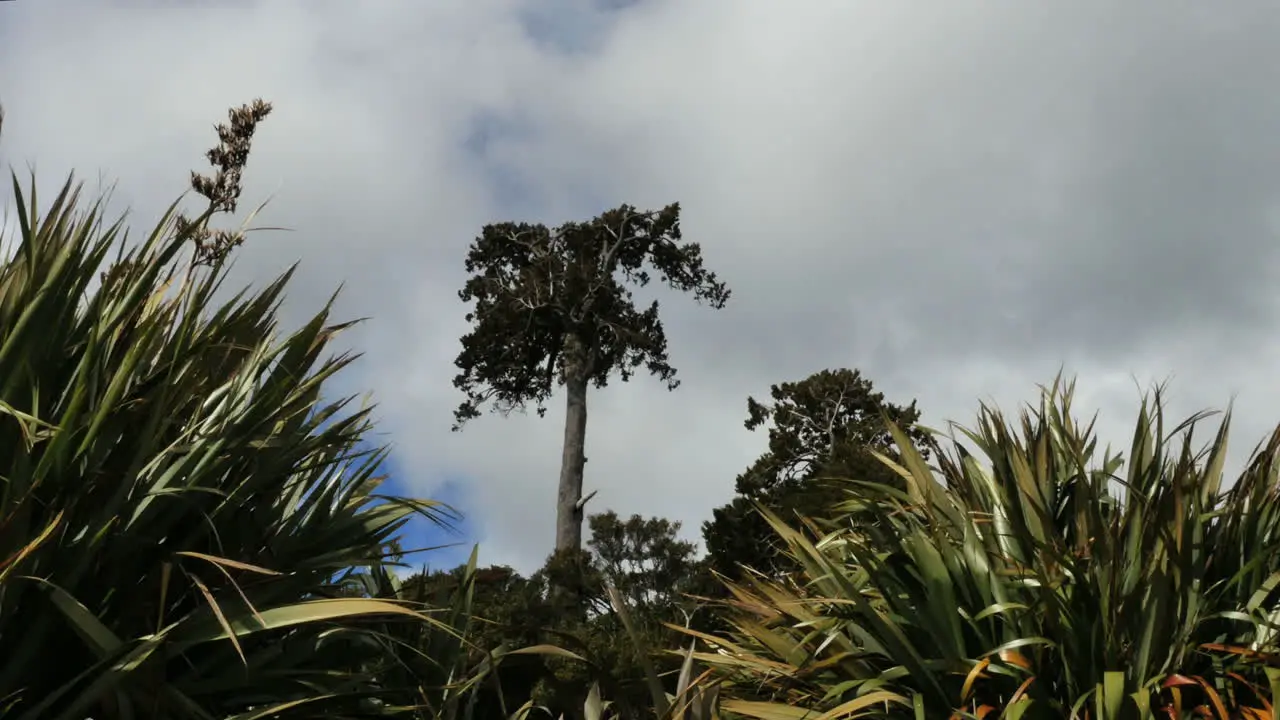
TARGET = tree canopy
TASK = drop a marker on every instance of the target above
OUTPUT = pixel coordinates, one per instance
(536, 287)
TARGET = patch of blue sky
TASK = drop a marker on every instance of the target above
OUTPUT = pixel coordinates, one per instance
(572, 27)
(426, 541)
(512, 188)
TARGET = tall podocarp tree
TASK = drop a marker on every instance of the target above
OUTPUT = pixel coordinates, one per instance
(554, 306)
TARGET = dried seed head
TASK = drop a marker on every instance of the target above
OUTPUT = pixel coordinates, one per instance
(116, 271)
(224, 187)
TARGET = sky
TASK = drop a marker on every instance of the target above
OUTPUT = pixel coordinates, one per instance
(959, 199)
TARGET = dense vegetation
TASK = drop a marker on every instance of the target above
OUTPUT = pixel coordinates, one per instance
(189, 530)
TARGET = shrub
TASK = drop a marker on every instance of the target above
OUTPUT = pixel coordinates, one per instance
(1044, 580)
(179, 507)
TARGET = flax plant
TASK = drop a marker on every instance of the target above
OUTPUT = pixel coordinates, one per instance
(179, 507)
(1028, 575)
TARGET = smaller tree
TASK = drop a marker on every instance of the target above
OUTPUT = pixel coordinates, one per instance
(555, 307)
(494, 610)
(822, 427)
(643, 558)
(652, 568)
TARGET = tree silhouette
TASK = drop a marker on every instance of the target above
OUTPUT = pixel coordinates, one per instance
(555, 307)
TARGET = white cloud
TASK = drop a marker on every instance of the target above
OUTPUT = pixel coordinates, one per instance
(957, 200)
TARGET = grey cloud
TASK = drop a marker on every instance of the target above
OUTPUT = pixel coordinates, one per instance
(1041, 163)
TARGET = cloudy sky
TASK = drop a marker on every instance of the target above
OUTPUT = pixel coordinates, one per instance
(959, 198)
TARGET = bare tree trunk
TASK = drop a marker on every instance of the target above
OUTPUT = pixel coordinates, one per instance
(569, 511)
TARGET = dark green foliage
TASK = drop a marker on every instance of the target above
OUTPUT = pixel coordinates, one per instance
(643, 558)
(494, 610)
(653, 569)
(534, 287)
(824, 426)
